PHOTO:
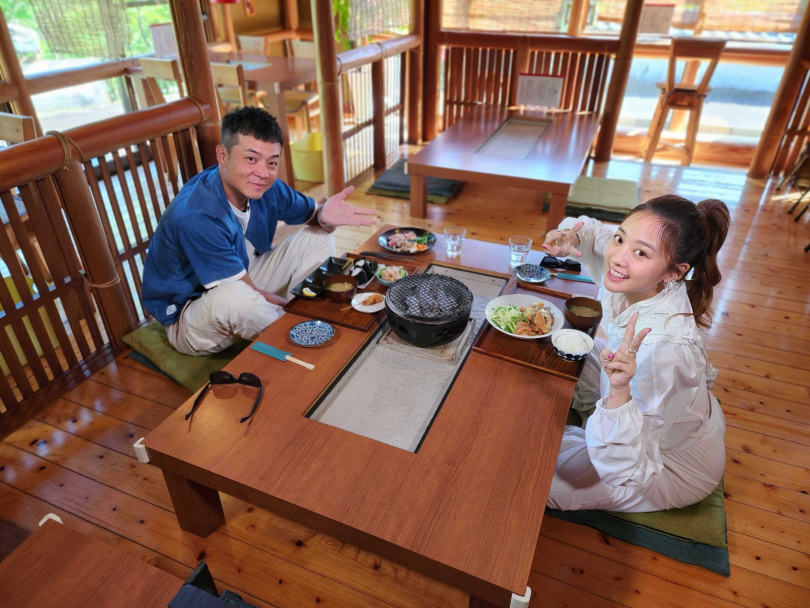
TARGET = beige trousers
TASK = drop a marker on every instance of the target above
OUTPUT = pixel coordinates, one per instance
(231, 310)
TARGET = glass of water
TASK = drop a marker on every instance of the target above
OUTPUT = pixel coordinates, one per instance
(519, 247)
(453, 239)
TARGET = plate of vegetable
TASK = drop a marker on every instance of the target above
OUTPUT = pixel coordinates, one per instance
(523, 316)
(407, 240)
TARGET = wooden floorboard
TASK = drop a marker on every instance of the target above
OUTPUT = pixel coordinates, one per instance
(76, 458)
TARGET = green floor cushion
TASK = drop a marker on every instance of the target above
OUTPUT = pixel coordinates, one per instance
(192, 372)
(601, 198)
(394, 182)
(694, 534)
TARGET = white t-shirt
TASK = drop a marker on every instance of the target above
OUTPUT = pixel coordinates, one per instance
(243, 217)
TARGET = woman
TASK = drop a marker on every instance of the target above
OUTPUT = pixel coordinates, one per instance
(655, 438)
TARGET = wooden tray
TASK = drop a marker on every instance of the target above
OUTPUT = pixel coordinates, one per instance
(537, 354)
(341, 313)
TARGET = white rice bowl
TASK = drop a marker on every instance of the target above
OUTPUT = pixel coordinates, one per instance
(572, 343)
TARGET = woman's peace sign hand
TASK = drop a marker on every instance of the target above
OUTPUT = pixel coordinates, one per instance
(563, 242)
(621, 365)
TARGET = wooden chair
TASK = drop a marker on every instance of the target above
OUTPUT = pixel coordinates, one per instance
(149, 94)
(683, 96)
(301, 106)
(16, 129)
(231, 88)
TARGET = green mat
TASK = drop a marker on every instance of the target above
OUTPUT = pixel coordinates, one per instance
(601, 198)
(192, 372)
(694, 534)
(394, 182)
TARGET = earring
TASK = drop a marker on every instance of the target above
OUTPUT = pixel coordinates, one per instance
(670, 286)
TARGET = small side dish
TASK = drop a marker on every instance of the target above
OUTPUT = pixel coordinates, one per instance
(571, 344)
(388, 275)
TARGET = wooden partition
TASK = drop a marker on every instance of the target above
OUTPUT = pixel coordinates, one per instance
(797, 133)
(92, 196)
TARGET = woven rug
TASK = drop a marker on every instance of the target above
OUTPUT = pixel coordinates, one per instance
(394, 182)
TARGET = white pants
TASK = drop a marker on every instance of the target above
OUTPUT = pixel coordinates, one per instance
(231, 310)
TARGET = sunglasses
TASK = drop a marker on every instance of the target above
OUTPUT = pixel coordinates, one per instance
(222, 377)
(551, 262)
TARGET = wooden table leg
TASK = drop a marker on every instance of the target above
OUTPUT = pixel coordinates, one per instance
(556, 210)
(418, 196)
(197, 507)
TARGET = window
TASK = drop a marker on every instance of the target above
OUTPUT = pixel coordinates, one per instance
(513, 16)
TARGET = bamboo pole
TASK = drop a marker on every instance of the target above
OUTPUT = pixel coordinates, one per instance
(329, 91)
(378, 116)
(783, 102)
(96, 258)
(415, 63)
(11, 71)
(193, 52)
(618, 81)
(433, 56)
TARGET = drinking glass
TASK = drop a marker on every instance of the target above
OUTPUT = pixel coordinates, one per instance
(519, 247)
(453, 239)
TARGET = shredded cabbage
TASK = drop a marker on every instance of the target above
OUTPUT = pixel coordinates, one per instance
(507, 317)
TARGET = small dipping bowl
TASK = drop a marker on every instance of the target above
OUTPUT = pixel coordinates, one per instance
(388, 283)
(565, 353)
(579, 321)
(340, 296)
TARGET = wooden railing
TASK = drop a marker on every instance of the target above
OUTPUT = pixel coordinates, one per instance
(483, 69)
(93, 224)
(371, 85)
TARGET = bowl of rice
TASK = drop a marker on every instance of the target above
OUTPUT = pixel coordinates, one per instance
(571, 344)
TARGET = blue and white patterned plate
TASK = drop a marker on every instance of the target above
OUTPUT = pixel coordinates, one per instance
(532, 273)
(312, 333)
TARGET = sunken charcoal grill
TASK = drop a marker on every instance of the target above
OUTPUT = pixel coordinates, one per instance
(428, 309)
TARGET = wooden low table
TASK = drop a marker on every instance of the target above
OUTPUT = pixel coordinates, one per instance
(552, 165)
(60, 567)
(464, 509)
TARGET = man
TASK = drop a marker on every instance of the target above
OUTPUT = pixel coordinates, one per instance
(211, 273)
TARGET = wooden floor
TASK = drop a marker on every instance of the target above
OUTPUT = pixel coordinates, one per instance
(76, 458)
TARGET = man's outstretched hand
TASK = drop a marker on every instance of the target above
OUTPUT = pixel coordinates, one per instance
(336, 212)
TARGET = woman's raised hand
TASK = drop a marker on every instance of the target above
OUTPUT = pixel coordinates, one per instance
(563, 243)
(621, 365)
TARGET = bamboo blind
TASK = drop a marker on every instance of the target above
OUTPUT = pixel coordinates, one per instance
(722, 15)
(505, 15)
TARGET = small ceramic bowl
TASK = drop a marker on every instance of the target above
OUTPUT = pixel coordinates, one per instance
(580, 321)
(344, 295)
(389, 283)
(566, 352)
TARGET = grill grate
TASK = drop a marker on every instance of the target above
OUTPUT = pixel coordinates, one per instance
(429, 296)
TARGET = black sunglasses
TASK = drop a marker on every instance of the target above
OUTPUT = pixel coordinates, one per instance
(222, 377)
(551, 262)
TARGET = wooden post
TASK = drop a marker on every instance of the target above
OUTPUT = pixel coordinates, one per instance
(227, 22)
(577, 17)
(783, 102)
(433, 56)
(415, 65)
(193, 52)
(329, 90)
(378, 117)
(521, 66)
(95, 253)
(11, 71)
(618, 81)
(291, 15)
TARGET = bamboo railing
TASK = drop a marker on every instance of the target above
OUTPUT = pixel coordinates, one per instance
(92, 196)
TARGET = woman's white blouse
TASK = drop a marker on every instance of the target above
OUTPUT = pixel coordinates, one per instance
(671, 402)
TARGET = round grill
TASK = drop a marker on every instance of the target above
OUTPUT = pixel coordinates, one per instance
(429, 296)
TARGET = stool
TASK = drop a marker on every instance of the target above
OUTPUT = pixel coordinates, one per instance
(683, 96)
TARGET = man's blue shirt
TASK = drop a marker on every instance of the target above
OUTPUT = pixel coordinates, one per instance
(199, 240)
